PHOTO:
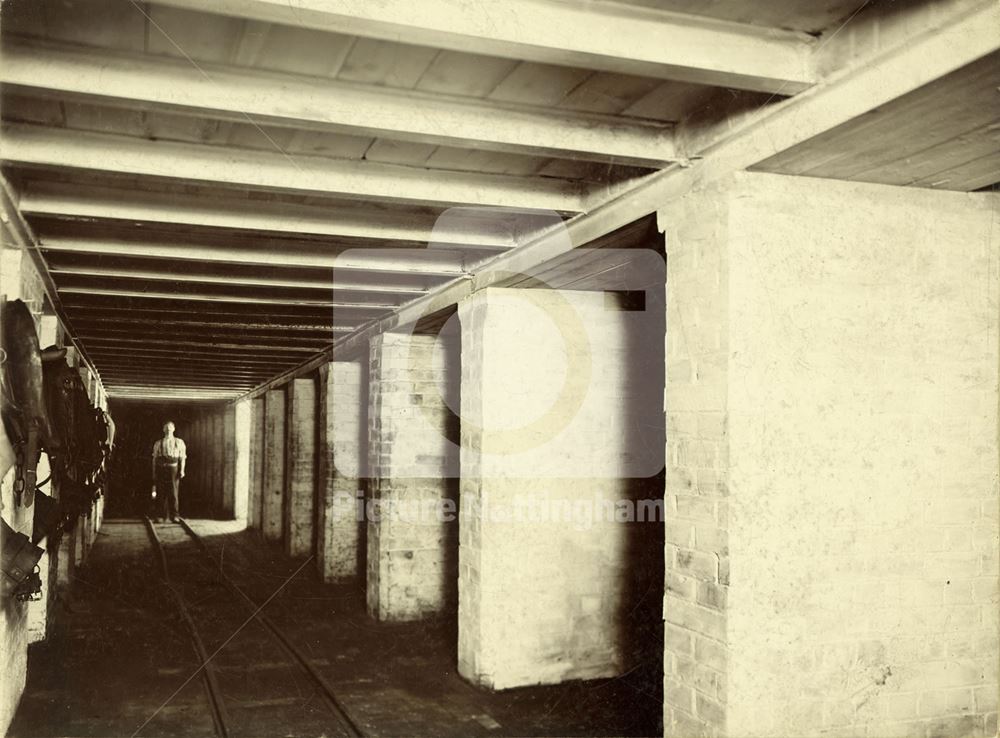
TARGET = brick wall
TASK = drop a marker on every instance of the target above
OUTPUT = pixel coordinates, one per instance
(696, 531)
(257, 451)
(272, 519)
(412, 562)
(13, 618)
(300, 466)
(554, 422)
(241, 474)
(21, 622)
(341, 462)
(853, 408)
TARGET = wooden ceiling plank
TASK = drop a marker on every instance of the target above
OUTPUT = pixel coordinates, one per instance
(863, 138)
(632, 40)
(44, 146)
(141, 82)
(964, 148)
(971, 175)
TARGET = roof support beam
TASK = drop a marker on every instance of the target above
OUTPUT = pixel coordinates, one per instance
(219, 295)
(631, 40)
(125, 344)
(188, 277)
(164, 375)
(169, 330)
(144, 321)
(142, 82)
(195, 363)
(112, 308)
(58, 200)
(104, 351)
(436, 262)
(205, 164)
(139, 391)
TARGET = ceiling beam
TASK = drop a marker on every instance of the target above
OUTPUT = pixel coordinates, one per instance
(327, 283)
(111, 307)
(167, 373)
(124, 343)
(630, 40)
(132, 391)
(162, 375)
(224, 294)
(170, 330)
(454, 229)
(158, 361)
(108, 350)
(104, 352)
(59, 148)
(143, 82)
(126, 314)
(145, 321)
(435, 262)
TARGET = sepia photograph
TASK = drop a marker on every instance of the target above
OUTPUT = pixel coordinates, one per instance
(499, 368)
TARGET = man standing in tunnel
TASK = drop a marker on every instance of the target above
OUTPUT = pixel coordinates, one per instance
(169, 459)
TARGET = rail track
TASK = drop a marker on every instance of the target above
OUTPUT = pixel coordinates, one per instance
(225, 725)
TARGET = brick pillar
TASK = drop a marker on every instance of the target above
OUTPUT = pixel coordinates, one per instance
(272, 504)
(227, 430)
(832, 469)
(257, 452)
(241, 474)
(412, 557)
(341, 457)
(557, 432)
(300, 466)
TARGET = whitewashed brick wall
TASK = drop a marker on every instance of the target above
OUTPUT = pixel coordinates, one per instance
(696, 535)
(257, 451)
(20, 280)
(411, 565)
(551, 416)
(856, 426)
(342, 456)
(272, 519)
(300, 466)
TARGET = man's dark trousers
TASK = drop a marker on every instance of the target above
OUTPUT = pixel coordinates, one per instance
(168, 477)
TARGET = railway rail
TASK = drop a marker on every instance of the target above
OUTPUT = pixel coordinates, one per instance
(221, 714)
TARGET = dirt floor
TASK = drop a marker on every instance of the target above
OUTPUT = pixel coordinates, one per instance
(120, 661)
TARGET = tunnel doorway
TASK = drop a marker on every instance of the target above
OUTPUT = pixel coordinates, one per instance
(139, 424)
